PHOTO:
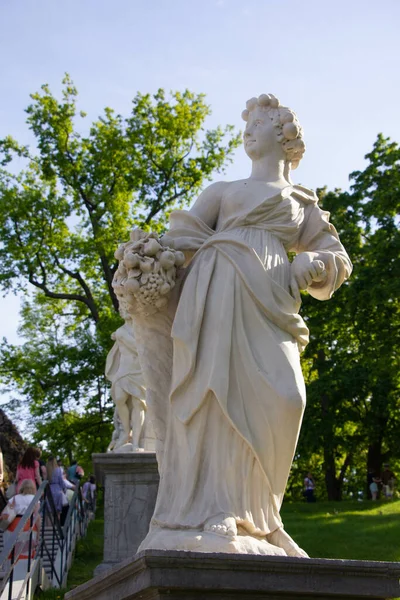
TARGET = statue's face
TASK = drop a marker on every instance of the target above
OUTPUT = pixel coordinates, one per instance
(259, 136)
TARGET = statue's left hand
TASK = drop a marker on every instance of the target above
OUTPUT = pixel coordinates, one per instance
(305, 270)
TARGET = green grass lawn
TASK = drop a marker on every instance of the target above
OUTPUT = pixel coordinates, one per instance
(351, 530)
(88, 554)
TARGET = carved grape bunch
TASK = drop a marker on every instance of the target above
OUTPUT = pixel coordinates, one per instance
(146, 273)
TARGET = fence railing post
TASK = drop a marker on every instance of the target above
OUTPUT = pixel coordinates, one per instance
(45, 541)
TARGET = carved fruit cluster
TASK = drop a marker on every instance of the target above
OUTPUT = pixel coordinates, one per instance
(146, 273)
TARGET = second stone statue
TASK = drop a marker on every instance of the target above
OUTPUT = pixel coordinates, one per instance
(133, 431)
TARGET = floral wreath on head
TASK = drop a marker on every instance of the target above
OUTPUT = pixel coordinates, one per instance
(288, 129)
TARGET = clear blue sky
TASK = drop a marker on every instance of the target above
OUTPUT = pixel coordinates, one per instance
(335, 63)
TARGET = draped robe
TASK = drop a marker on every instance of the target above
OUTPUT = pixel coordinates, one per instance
(237, 395)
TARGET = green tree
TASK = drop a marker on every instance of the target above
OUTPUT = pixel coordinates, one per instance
(63, 215)
(376, 301)
(351, 363)
(60, 371)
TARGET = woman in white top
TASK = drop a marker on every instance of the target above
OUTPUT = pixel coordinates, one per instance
(20, 503)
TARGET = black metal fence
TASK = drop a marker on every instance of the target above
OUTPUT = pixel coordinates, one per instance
(50, 546)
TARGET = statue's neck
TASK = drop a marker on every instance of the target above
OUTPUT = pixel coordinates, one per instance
(270, 171)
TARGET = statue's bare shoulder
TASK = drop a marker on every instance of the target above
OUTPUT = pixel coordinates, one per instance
(207, 205)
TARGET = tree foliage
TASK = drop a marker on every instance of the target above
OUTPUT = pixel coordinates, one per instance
(61, 218)
(60, 370)
(352, 361)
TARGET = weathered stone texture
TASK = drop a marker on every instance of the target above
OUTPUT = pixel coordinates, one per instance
(131, 484)
(155, 574)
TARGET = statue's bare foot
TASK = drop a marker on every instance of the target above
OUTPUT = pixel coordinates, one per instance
(283, 540)
(222, 524)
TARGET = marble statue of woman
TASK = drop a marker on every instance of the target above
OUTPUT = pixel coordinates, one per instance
(237, 394)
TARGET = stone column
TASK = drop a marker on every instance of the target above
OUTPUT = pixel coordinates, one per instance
(131, 483)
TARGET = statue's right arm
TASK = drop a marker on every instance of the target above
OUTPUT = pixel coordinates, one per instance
(208, 204)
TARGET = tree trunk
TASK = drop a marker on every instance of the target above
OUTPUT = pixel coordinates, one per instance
(375, 458)
(333, 484)
(333, 489)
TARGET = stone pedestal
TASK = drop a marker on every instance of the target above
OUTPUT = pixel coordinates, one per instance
(155, 574)
(131, 484)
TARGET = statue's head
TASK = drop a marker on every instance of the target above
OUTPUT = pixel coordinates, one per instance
(272, 128)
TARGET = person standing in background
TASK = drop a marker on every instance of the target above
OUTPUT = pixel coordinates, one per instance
(20, 503)
(373, 483)
(42, 464)
(28, 468)
(71, 472)
(89, 493)
(57, 484)
(309, 487)
(388, 480)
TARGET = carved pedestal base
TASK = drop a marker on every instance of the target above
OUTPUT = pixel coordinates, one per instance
(131, 483)
(154, 574)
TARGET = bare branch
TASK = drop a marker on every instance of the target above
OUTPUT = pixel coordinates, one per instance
(42, 285)
(91, 207)
(78, 277)
(161, 205)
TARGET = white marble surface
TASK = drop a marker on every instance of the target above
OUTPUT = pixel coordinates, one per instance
(226, 348)
(130, 481)
(133, 432)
